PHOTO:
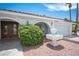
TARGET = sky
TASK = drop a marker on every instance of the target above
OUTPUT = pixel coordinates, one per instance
(56, 10)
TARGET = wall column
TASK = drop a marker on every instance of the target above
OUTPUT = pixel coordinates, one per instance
(0, 30)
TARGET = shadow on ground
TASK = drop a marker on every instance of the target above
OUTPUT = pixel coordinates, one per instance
(60, 47)
(26, 48)
(13, 44)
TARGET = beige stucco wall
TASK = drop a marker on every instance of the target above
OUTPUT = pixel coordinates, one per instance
(64, 28)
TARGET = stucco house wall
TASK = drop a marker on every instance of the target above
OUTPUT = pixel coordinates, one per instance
(63, 27)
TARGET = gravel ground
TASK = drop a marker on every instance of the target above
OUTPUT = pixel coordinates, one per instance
(66, 48)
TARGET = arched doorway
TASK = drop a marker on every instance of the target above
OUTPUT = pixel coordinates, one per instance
(45, 27)
(9, 29)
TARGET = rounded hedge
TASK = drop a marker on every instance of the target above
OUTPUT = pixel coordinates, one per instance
(31, 35)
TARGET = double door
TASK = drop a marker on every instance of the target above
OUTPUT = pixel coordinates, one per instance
(9, 29)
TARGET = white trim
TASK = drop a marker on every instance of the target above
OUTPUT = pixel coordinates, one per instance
(10, 19)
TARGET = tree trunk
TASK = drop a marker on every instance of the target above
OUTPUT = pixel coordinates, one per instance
(70, 15)
(76, 26)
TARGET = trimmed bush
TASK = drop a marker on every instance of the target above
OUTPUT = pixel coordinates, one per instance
(31, 35)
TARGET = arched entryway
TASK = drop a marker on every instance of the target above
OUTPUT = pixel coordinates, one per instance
(45, 27)
(9, 29)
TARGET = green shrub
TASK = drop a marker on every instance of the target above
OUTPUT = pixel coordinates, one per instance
(31, 35)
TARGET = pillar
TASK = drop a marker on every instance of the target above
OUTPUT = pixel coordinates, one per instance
(0, 30)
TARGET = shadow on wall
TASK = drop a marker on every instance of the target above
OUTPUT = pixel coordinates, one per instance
(45, 27)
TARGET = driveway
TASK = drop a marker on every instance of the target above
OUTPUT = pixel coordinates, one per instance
(10, 48)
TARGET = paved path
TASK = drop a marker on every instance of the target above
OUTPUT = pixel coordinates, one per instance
(11, 48)
(73, 38)
(66, 48)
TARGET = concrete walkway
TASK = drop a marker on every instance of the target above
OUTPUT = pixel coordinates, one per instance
(11, 48)
(73, 38)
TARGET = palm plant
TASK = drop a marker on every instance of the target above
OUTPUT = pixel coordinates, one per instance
(76, 26)
(70, 6)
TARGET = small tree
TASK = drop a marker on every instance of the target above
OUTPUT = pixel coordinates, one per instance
(31, 35)
(76, 26)
(70, 6)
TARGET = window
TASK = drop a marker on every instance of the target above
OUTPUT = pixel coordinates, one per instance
(14, 28)
(5, 29)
